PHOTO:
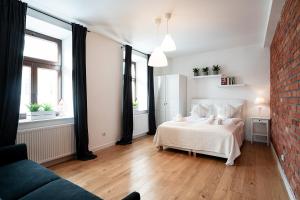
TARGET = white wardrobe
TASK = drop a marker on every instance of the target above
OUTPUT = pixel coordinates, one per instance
(170, 97)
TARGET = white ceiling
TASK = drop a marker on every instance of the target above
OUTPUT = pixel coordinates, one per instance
(196, 25)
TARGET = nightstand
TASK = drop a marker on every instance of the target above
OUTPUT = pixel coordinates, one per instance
(260, 127)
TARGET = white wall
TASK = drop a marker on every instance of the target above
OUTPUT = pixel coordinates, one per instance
(250, 64)
(104, 76)
(104, 93)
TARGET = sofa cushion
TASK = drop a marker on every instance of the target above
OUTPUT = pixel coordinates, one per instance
(60, 189)
(22, 177)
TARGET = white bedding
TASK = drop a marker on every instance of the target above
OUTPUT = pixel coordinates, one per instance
(203, 134)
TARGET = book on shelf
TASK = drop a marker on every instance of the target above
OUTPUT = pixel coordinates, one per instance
(228, 80)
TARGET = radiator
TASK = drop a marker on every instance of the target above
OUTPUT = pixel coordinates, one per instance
(48, 143)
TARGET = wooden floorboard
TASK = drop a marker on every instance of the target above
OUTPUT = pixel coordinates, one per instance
(172, 174)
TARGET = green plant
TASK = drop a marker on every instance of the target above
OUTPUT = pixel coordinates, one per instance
(135, 104)
(195, 70)
(33, 107)
(216, 68)
(47, 107)
(204, 69)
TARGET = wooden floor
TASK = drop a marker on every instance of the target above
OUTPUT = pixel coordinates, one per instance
(172, 174)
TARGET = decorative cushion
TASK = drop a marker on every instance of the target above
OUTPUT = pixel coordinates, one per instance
(228, 111)
(200, 110)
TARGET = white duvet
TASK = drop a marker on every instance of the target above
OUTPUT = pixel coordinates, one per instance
(203, 135)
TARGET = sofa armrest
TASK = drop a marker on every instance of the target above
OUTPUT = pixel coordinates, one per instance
(133, 196)
(12, 153)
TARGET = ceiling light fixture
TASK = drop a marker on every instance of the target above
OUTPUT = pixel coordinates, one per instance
(168, 43)
(158, 57)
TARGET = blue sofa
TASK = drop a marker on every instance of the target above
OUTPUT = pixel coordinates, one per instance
(24, 179)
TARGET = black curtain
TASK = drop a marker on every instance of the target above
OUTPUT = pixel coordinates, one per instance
(127, 117)
(12, 32)
(151, 102)
(79, 93)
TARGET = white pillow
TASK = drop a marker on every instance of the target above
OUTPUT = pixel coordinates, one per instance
(199, 111)
(228, 111)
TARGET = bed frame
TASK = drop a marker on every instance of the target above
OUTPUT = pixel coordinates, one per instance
(210, 101)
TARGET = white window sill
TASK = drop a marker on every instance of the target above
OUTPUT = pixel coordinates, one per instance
(140, 112)
(26, 124)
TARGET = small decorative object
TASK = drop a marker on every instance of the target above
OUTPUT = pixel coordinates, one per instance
(196, 71)
(37, 111)
(205, 71)
(216, 69)
(233, 80)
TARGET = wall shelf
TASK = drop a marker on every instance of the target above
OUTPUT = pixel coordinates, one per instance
(234, 85)
(208, 76)
(219, 76)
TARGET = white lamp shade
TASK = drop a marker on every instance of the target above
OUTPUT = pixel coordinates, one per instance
(158, 58)
(259, 100)
(168, 44)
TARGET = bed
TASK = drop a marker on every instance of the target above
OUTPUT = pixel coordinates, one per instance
(213, 132)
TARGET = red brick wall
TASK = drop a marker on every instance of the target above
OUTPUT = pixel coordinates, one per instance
(285, 92)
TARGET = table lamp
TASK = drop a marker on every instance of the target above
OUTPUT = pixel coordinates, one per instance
(259, 101)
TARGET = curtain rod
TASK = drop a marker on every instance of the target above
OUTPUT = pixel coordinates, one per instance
(123, 45)
(44, 13)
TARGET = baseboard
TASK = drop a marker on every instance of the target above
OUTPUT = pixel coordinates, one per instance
(58, 160)
(94, 149)
(103, 146)
(109, 144)
(139, 135)
(283, 176)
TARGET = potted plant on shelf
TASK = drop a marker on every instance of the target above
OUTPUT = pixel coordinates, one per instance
(37, 111)
(216, 69)
(196, 71)
(205, 71)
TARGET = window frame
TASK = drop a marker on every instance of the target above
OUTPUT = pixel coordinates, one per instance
(35, 63)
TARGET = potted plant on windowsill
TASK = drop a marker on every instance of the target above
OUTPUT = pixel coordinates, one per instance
(37, 111)
(196, 71)
(216, 69)
(204, 71)
(135, 104)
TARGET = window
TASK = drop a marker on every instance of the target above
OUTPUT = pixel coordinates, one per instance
(41, 75)
(139, 81)
(133, 81)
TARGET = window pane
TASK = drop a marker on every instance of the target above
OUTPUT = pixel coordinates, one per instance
(25, 89)
(141, 81)
(47, 86)
(133, 74)
(40, 48)
(133, 90)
